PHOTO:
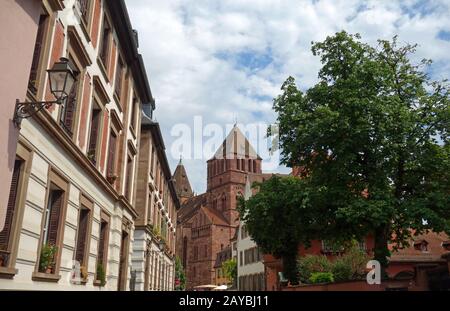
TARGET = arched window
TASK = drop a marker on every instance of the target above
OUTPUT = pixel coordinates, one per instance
(250, 165)
(243, 164)
(224, 202)
(238, 164)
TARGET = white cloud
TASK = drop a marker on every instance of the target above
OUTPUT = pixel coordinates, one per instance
(182, 41)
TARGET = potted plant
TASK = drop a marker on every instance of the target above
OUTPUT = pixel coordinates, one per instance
(101, 275)
(47, 259)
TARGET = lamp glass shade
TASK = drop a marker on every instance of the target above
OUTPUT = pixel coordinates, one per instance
(61, 78)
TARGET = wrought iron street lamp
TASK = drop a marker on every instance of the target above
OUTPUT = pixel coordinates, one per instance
(62, 80)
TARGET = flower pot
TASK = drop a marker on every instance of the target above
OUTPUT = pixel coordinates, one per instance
(49, 270)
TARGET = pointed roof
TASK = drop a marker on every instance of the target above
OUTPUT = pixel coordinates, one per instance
(236, 145)
(182, 184)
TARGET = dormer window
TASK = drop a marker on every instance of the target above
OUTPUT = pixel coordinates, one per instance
(421, 245)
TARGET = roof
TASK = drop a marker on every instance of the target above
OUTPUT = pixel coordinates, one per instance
(128, 41)
(435, 249)
(222, 256)
(214, 216)
(236, 145)
(189, 207)
(181, 181)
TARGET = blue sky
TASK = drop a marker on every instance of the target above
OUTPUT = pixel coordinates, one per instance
(226, 60)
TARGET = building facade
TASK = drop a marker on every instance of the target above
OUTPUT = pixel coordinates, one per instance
(18, 19)
(70, 219)
(157, 204)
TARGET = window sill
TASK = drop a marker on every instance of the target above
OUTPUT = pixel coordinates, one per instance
(7, 273)
(98, 283)
(133, 131)
(45, 277)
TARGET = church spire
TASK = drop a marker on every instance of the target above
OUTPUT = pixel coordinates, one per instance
(181, 181)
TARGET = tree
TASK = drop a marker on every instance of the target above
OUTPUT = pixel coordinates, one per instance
(372, 137)
(278, 218)
(229, 268)
(180, 277)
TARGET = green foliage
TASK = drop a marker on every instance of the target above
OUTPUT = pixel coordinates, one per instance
(101, 274)
(373, 138)
(229, 268)
(349, 266)
(180, 276)
(321, 277)
(47, 258)
(311, 264)
(281, 206)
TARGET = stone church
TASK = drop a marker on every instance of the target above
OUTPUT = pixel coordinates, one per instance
(207, 222)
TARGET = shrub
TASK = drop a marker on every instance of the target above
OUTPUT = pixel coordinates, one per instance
(321, 277)
(310, 264)
(342, 271)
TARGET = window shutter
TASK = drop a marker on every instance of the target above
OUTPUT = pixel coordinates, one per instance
(55, 213)
(112, 153)
(5, 234)
(101, 244)
(37, 53)
(82, 235)
(94, 130)
(69, 112)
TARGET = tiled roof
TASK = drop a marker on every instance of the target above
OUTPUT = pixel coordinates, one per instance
(190, 207)
(434, 251)
(214, 216)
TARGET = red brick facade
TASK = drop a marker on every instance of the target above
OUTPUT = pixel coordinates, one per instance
(208, 222)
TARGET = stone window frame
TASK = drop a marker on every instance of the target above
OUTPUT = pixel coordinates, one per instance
(104, 217)
(104, 67)
(25, 154)
(86, 26)
(99, 100)
(87, 203)
(56, 178)
(41, 72)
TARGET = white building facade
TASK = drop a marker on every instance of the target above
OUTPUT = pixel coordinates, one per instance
(251, 272)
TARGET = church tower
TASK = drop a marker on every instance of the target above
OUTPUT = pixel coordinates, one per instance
(182, 184)
(227, 172)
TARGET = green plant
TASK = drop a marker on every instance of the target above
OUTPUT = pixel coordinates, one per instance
(180, 276)
(321, 277)
(341, 270)
(101, 274)
(47, 258)
(229, 269)
(310, 264)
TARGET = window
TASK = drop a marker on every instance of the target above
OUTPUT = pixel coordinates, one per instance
(129, 176)
(69, 107)
(250, 166)
(83, 235)
(238, 164)
(241, 262)
(53, 226)
(84, 9)
(38, 49)
(133, 113)
(243, 164)
(254, 166)
(94, 135)
(6, 234)
(102, 251)
(105, 41)
(112, 150)
(119, 77)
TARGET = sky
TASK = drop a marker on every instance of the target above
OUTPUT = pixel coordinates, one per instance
(224, 61)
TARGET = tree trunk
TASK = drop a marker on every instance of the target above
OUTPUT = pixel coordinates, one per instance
(381, 251)
(290, 268)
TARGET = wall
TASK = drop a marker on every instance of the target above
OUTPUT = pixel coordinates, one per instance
(18, 19)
